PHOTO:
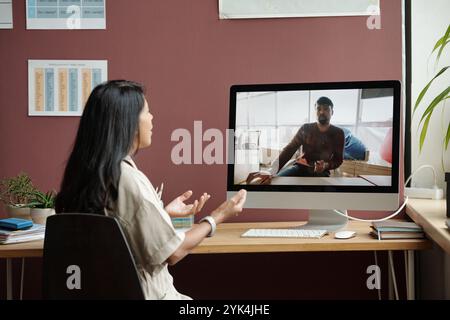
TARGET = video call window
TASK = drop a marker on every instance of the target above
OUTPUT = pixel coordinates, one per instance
(267, 122)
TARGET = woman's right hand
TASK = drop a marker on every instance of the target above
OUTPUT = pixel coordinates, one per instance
(229, 208)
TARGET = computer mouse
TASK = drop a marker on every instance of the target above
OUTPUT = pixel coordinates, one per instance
(345, 234)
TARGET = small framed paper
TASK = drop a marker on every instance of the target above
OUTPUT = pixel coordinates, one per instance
(62, 87)
(6, 17)
(66, 14)
(245, 9)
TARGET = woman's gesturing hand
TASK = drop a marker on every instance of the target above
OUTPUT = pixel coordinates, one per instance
(231, 207)
(177, 208)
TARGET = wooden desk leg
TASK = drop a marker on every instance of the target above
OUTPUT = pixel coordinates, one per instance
(9, 279)
(21, 278)
(392, 272)
(405, 253)
(390, 284)
(410, 287)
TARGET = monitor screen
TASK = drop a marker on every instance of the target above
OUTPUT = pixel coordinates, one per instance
(326, 137)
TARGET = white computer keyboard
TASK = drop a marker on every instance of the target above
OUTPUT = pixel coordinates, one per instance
(284, 233)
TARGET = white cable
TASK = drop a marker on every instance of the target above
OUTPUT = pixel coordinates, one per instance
(376, 220)
(404, 203)
(420, 168)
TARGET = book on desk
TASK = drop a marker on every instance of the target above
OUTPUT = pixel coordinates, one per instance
(396, 229)
(36, 232)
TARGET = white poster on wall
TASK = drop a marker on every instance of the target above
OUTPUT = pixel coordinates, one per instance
(240, 9)
(66, 14)
(6, 17)
(62, 87)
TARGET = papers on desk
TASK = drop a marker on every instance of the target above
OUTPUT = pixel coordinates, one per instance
(36, 232)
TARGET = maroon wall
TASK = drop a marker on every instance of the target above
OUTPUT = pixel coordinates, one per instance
(188, 59)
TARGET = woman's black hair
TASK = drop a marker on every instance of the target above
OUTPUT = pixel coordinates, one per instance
(107, 130)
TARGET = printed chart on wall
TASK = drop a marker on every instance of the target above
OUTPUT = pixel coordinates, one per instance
(238, 9)
(62, 87)
(66, 14)
(6, 17)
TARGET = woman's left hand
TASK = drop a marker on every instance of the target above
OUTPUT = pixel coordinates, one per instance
(177, 208)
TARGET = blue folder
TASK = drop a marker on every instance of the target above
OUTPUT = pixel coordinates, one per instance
(15, 224)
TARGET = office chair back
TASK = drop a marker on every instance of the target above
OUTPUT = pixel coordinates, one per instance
(86, 256)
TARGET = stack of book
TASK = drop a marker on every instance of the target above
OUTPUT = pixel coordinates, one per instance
(396, 229)
(36, 232)
(183, 223)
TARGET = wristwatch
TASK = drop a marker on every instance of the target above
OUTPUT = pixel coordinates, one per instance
(212, 222)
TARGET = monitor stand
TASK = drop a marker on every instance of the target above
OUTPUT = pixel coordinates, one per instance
(325, 219)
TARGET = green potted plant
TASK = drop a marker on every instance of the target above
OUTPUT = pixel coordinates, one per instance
(41, 206)
(15, 193)
(441, 97)
(437, 100)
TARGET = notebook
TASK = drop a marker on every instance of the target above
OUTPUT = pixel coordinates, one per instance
(15, 224)
(396, 225)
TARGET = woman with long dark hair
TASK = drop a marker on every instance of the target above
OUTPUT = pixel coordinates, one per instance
(101, 177)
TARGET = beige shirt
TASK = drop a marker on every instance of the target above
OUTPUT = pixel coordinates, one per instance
(149, 231)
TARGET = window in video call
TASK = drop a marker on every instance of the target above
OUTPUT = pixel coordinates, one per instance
(338, 137)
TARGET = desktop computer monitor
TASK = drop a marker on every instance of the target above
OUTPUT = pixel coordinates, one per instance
(316, 146)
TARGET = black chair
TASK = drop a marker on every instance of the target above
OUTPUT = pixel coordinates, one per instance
(87, 257)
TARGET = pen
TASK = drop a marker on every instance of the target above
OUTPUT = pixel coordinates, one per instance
(161, 190)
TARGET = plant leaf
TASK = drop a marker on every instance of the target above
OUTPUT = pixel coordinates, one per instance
(447, 137)
(435, 102)
(32, 204)
(438, 44)
(441, 41)
(444, 43)
(423, 133)
(424, 90)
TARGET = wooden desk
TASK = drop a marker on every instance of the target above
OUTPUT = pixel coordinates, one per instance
(22, 250)
(431, 216)
(320, 181)
(385, 181)
(228, 240)
(357, 168)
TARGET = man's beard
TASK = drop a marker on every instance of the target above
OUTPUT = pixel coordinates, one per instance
(323, 120)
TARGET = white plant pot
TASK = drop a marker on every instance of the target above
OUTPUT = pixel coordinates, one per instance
(17, 212)
(39, 216)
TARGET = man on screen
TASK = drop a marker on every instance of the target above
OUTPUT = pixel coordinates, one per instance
(321, 145)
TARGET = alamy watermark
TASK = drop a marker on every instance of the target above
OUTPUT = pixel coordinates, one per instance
(212, 146)
(74, 20)
(373, 22)
(74, 279)
(374, 280)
